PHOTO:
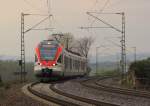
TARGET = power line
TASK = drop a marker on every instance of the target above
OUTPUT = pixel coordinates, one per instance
(37, 14)
(101, 10)
(33, 6)
(111, 26)
(36, 24)
(49, 12)
(96, 1)
(113, 4)
(49, 6)
(49, 29)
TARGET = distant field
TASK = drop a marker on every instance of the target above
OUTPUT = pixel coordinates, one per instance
(105, 68)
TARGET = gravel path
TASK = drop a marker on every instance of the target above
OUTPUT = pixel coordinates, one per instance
(77, 89)
(14, 97)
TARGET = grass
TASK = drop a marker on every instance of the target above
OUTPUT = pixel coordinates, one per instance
(5, 85)
(108, 72)
(10, 71)
(3, 88)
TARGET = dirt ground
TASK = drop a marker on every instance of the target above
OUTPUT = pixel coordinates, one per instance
(13, 96)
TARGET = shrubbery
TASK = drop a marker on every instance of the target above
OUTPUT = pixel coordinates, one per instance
(142, 70)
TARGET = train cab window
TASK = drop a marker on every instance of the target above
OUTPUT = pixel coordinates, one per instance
(60, 59)
(36, 58)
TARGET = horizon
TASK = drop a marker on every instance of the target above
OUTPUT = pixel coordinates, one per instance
(110, 58)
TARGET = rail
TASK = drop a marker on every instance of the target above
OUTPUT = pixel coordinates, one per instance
(100, 86)
(49, 98)
(79, 98)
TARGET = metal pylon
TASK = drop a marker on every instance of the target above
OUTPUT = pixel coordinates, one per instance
(22, 49)
(123, 46)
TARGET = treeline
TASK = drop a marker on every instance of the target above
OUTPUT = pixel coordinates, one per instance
(10, 71)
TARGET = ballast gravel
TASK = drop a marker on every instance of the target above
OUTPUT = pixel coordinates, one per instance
(75, 88)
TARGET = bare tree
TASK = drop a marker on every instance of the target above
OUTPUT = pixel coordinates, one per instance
(84, 45)
(81, 46)
(66, 39)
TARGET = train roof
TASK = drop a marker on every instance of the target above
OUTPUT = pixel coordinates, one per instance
(75, 53)
(54, 42)
(45, 42)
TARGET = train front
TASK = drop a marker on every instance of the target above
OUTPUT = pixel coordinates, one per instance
(46, 66)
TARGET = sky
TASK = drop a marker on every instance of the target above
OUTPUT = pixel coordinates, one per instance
(68, 16)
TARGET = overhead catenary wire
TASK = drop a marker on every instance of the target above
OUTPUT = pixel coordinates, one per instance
(101, 10)
(111, 26)
(117, 45)
(115, 3)
(50, 29)
(49, 10)
(95, 3)
(33, 6)
(106, 3)
(36, 24)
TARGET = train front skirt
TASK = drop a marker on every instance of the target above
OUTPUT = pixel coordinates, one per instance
(48, 74)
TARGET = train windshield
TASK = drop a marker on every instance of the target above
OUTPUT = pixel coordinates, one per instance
(48, 52)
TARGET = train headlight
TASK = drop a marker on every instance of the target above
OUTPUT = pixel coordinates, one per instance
(54, 64)
(39, 64)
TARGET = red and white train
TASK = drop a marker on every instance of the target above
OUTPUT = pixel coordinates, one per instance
(53, 61)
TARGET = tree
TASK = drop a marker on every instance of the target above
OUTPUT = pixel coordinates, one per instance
(142, 70)
(84, 45)
(81, 46)
(66, 39)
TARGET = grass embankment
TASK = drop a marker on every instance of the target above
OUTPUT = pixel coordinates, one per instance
(13, 96)
(10, 71)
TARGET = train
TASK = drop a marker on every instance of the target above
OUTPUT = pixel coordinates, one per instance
(53, 61)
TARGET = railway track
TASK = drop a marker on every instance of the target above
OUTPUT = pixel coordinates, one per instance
(99, 86)
(90, 101)
(49, 98)
(66, 102)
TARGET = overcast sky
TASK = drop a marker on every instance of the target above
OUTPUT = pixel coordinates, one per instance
(68, 16)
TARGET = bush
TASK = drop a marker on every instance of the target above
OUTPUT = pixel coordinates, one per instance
(142, 70)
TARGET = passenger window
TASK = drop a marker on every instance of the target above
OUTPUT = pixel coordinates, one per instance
(66, 62)
(70, 64)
